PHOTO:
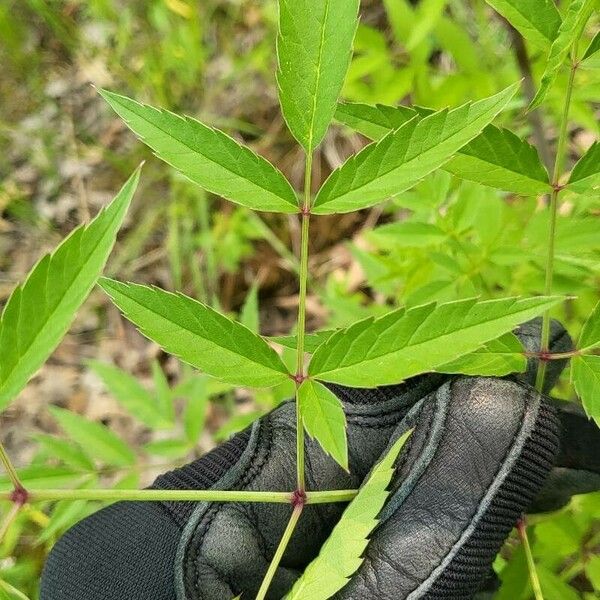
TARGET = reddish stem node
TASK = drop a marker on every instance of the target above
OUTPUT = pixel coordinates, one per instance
(545, 356)
(298, 498)
(299, 378)
(305, 211)
(19, 496)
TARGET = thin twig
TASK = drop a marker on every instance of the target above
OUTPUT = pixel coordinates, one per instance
(155, 495)
(287, 534)
(11, 515)
(301, 327)
(533, 576)
(10, 469)
(556, 175)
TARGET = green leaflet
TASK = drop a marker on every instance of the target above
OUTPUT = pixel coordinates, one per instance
(314, 48)
(409, 234)
(405, 343)
(249, 315)
(578, 13)
(199, 335)
(40, 310)
(66, 451)
(538, 21)
(496, 157)
(586, 378)
(324, 419)
(497, 358)
(405, 155)
(207, 156)
(590, 334)
(585, 176)
(135, 398)
(500, 159)
(95, 438)
(41, 476)
(374, 121)
(593, 47)
(343, 552)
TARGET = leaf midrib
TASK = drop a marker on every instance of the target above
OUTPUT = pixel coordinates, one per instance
(319, 74)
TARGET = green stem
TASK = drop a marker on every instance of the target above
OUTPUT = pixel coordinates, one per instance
(182, 495)
(9, 519)
(558, 355)
(301, 326)
(558, 165)
(9, 468)
(533, 576)
(287, 534)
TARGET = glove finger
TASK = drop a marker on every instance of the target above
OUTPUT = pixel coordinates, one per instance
(480, 451)
(577, 466)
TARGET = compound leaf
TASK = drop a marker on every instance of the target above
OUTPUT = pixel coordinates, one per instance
(405, 343)
(324, 419)
(586, 378)
(405, 155)
(207, 156)
(199, 335)
(314, 47)
(590, 334)
(538, 21)
(40, 310)
(569, 31)
(585, 176)
(343, 552)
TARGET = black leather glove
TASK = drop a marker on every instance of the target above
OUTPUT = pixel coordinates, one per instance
(479, 454)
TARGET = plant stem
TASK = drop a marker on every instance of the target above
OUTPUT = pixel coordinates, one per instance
(10, 469)
(558, 165)
(556, 355)
(183, 496)
(287, 534)
(301, 326)
(9, 519)
(533, 576)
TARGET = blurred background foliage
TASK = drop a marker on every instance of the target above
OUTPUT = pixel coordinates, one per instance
(109, 408)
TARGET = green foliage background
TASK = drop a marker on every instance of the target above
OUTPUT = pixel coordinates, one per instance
(442, 240)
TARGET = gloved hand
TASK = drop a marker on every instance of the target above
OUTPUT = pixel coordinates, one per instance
(479, 454)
